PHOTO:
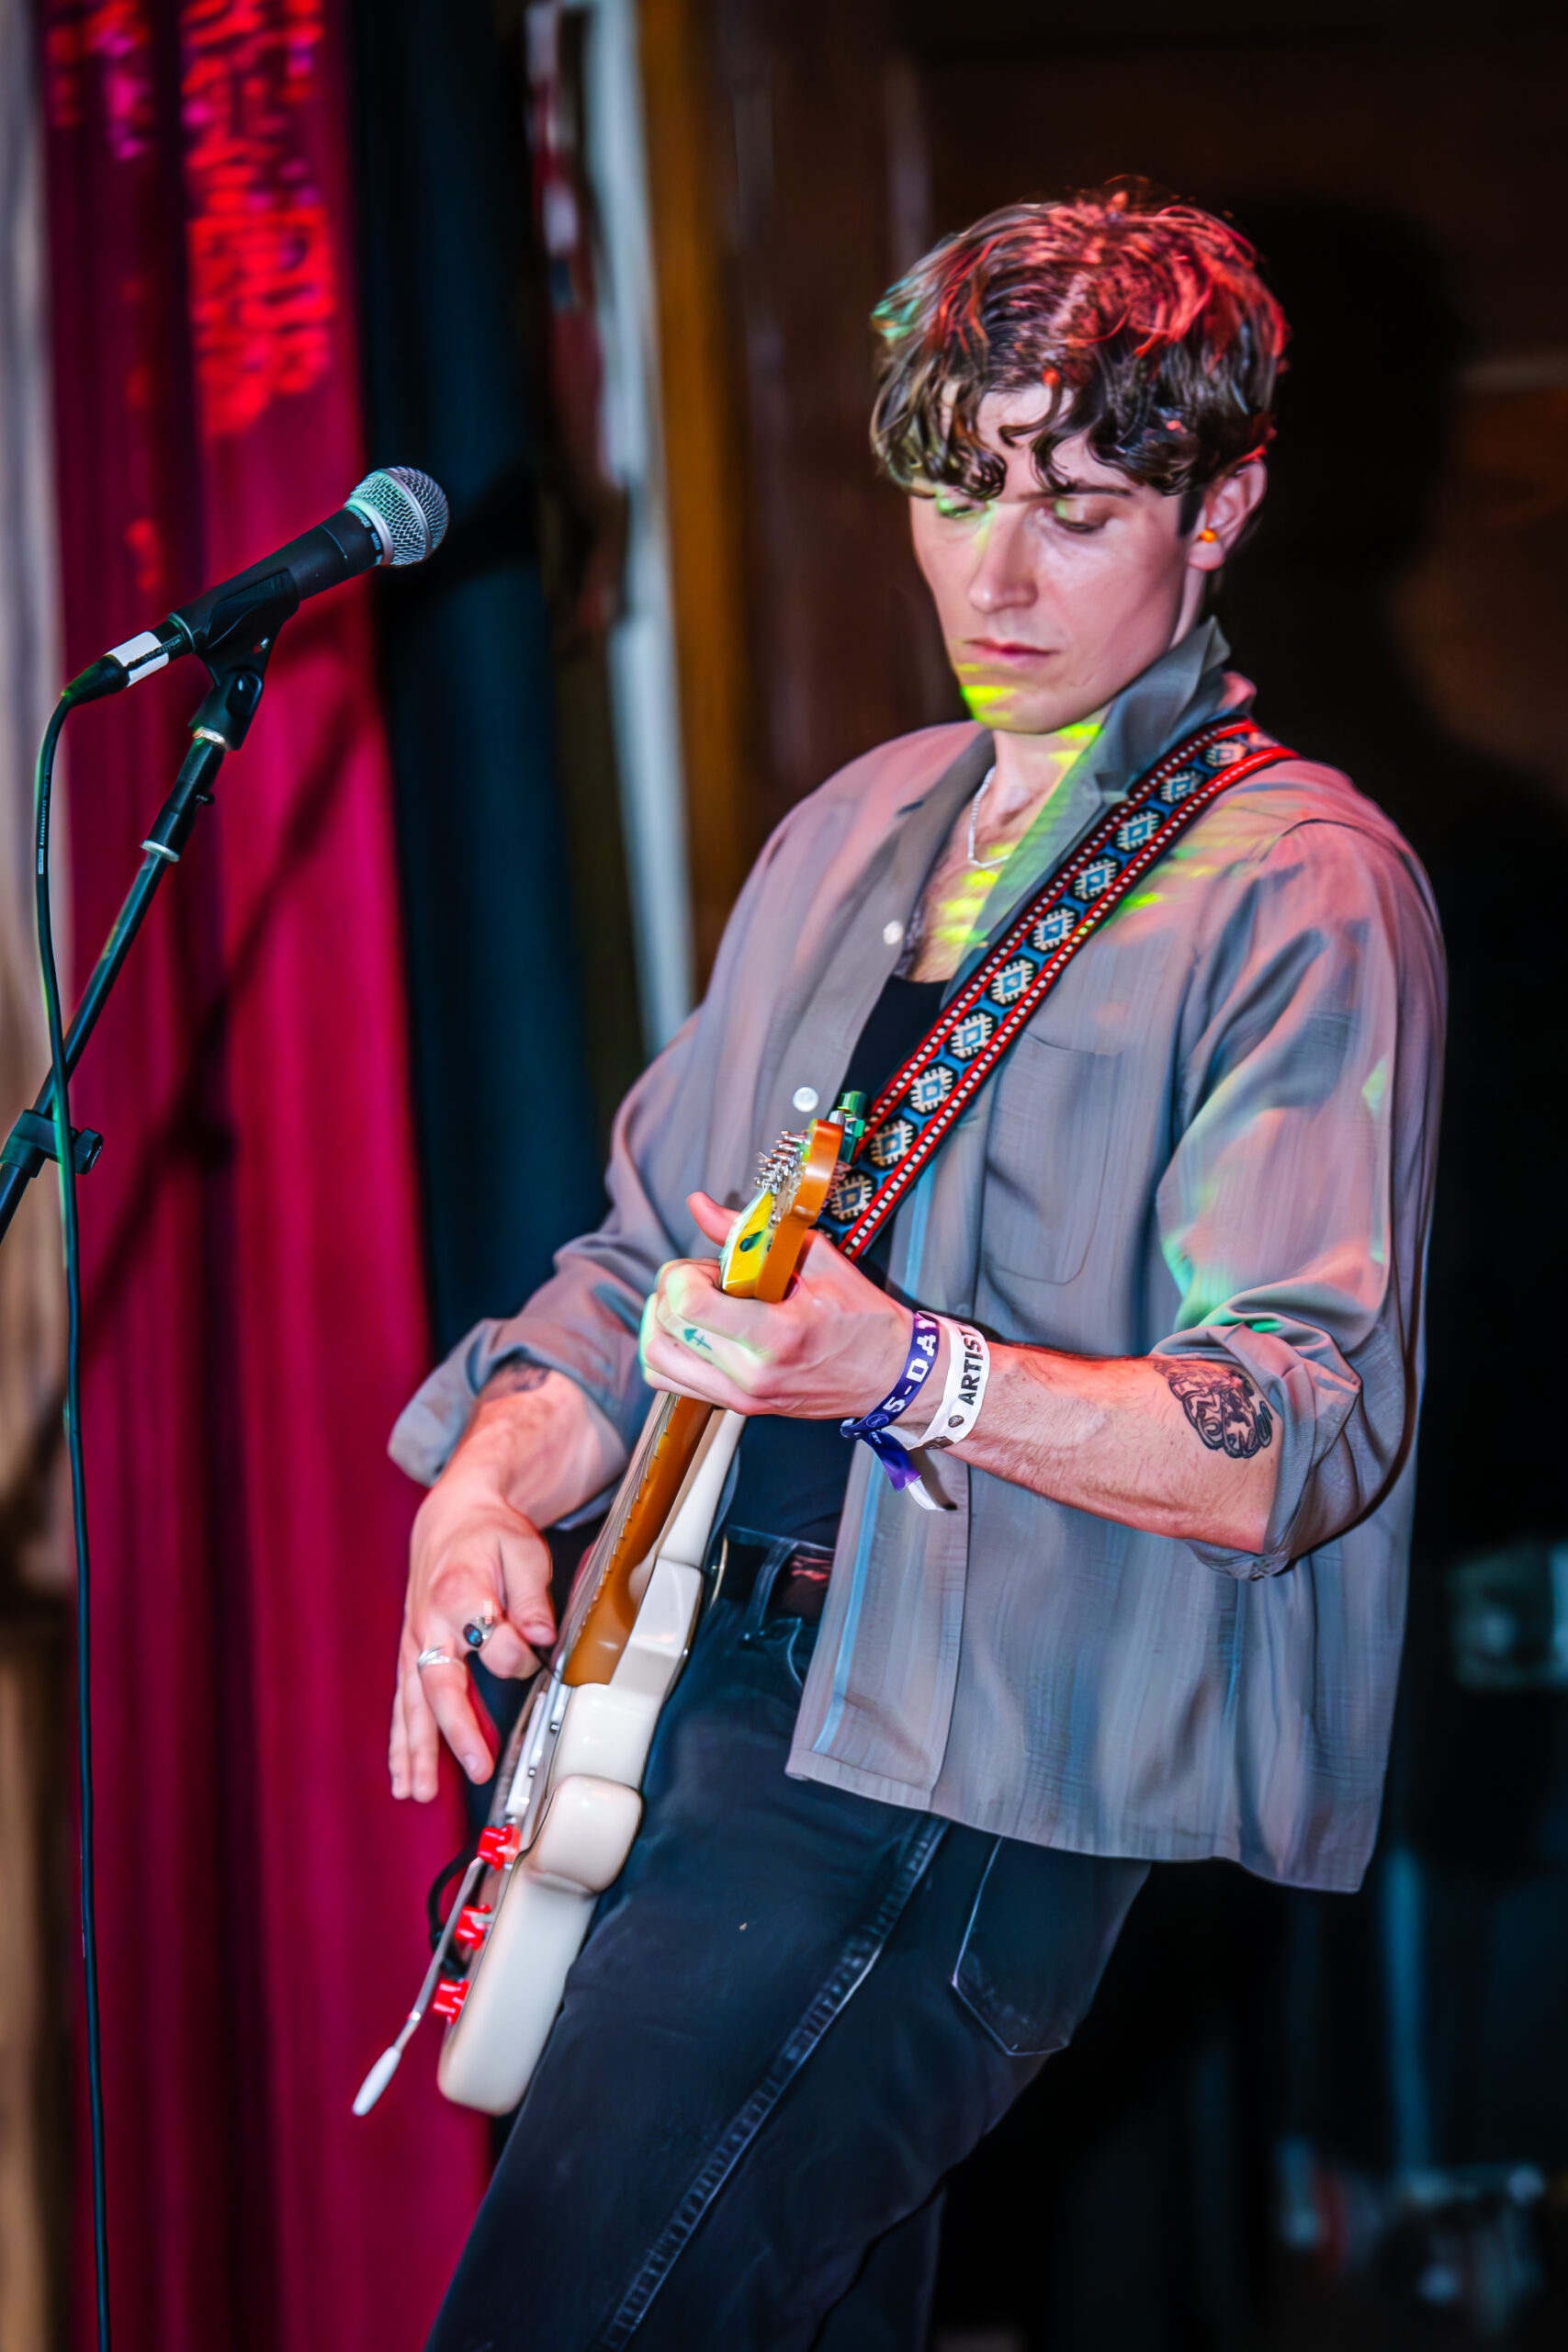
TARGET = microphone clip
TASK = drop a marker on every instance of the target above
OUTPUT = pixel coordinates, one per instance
(236, 648)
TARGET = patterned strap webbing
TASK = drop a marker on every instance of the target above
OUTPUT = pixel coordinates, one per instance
(925, 1100)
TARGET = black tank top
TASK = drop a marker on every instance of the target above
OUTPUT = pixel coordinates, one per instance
(791, 1475)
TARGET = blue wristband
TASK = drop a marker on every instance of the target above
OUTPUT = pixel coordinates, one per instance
(925, 1346)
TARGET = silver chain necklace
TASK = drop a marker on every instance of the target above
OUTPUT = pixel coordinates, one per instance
(983, 865)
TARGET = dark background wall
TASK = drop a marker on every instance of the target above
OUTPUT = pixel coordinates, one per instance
(523, 995)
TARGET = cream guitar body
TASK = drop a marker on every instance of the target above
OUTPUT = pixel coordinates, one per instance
(568, 1802)
(573, 1800)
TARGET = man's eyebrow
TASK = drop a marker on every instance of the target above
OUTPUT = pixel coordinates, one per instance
(1083, 490)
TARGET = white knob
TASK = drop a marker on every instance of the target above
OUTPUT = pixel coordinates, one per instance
(806, 1098)
(892, 932)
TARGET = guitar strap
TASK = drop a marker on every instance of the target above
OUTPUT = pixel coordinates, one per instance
(924, 1101)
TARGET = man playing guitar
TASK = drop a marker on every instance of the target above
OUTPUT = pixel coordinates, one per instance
(1145, 1600)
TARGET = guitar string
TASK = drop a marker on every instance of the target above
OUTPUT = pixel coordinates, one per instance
(592, 1579)
(591, 1583)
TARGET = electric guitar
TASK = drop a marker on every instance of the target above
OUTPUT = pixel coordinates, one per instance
(567, 1805)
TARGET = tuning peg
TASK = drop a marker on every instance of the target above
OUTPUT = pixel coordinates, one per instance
(473, 1925)
(500, 1844)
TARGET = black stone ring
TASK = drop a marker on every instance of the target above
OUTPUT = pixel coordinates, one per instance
(477, 1633)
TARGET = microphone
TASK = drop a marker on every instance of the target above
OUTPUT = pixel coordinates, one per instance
(397, 516)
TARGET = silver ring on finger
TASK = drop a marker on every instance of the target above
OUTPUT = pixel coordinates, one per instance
(478, 1631)
(434, 1657)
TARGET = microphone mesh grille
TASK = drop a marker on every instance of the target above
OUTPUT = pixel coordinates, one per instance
(409, 509)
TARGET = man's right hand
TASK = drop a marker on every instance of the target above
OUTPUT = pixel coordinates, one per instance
(538, 1446)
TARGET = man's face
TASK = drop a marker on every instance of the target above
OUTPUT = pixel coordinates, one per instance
(1051, 602)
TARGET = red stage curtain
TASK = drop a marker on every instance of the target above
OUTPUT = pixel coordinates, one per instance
(254, 1293)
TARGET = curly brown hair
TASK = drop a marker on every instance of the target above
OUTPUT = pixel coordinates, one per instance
(1144, 321)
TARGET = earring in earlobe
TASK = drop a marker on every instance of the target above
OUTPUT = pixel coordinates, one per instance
(1207, 536)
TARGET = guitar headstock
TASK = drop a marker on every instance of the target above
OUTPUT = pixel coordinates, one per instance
(792, 1183)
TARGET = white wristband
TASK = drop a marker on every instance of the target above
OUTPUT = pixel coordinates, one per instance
(968, 1370)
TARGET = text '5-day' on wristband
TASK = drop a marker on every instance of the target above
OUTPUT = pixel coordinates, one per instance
(964, 1393)
(925, 1343)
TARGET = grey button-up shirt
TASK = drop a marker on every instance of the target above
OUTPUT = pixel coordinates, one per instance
(1216, 1138)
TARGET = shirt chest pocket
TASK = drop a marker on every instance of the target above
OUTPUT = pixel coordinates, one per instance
(1046, 1151)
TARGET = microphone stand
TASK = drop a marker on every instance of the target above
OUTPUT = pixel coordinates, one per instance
(236, 662)
(237, 666)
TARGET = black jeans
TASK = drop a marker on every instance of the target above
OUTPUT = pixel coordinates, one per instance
(795, 2012)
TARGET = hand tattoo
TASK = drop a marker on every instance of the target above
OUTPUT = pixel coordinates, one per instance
(515, 1379)
(1221, 1405)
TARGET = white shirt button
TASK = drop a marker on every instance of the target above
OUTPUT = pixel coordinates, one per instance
(892, 932)
(806, 1098)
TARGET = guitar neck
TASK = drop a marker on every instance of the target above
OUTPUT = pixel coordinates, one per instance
(637, 1519)
(760, 1261)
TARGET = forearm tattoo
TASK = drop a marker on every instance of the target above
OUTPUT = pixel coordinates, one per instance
(1221, 1405)
(515, 1379)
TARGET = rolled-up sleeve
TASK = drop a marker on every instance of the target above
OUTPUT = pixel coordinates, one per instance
(1294, 1210)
